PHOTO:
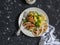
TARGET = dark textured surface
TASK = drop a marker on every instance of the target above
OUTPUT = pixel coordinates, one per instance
(9, 13)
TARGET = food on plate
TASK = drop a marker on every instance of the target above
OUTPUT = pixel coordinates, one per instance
(35, 22)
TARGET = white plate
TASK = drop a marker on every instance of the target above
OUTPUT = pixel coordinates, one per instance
(40, 11)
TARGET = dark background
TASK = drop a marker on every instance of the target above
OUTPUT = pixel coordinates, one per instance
(9, 13)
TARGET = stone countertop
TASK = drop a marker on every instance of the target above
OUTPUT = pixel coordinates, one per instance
(9, 13)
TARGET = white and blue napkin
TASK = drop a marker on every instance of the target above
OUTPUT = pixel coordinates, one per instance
(48, 38)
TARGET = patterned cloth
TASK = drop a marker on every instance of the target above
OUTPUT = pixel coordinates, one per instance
(48, 38)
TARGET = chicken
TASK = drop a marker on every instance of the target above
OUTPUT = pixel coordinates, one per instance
(30, 18)
(29, 25)
(45, 27)
(38, 32)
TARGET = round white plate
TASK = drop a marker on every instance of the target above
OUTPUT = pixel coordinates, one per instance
(24, 13)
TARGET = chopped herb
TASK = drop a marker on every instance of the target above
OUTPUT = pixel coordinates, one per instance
(37, 24)
(39, 20)
(25, 20)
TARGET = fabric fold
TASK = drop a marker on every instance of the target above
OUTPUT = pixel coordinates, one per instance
(48, 38)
